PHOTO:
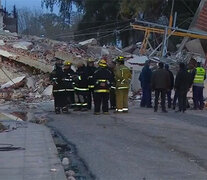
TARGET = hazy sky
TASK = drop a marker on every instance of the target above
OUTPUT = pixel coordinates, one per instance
(22, 3)
(32, 4)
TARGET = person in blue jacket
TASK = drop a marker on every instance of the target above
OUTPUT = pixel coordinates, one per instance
(145, 79)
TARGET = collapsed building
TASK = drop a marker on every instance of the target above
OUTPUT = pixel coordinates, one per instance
(26, 61)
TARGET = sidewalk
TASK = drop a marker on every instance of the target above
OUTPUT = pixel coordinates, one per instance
(38, 161)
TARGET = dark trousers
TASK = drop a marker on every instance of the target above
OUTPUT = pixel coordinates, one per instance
(182, 100)
(169, 99)
(175, 99)
(59, 99)
(90, 97)
(81, 99)
(146, 96)
(113, 98)
(157, 95)
(70, 98)
(198, 97)
(101, 99)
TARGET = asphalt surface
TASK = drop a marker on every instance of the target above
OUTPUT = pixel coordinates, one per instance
(140, 145)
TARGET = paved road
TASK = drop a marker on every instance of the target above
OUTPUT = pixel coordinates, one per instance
(139, 145)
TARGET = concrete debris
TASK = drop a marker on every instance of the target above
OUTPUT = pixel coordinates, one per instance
(37, 95)
(70, 173)
(5, 94)
(195, 47)
(104, 51)
(65, 161)
(40, 120)
(92, 42)
(2, 43)
(48, 91)
(13, 116)
(17, 95)
(30, 83)
(22, 45)
(2, 127)
(71, 178)
(14, 83)
(53, 170)
(137, 60)
(7, 54)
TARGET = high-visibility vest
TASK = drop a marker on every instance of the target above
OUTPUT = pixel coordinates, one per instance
(200, 75)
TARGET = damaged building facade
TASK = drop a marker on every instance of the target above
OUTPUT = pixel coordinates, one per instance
(8, 21)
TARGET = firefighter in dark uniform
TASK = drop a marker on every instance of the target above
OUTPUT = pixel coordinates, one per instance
(102, 84)
(91, 69)
(68, 85)
(58, 88)
(81, 88)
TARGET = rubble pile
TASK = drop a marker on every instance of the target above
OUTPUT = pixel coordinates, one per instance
(30, 89)
(38, 52)
(21, 82)
(26, 62)
(28, 77)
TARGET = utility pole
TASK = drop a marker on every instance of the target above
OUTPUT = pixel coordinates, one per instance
(171, 14)
(165, 41)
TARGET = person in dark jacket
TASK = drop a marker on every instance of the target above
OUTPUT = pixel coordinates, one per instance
(182, 85)
(145, 79)
(81, 88)
(68, 85)
(169, 99)
(58, 88)
(91, 69)
(160, 84)
(102, 84)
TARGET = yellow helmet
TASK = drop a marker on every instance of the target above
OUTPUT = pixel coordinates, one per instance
(67, 63)
(120, 58)
(102, 63)
(91, 60)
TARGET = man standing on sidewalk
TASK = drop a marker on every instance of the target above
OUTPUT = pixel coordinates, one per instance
(160, 84)
(145, 79)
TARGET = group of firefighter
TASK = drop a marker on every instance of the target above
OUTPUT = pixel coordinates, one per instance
(88, 83)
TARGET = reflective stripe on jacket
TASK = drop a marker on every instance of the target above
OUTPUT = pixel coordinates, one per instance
(122, 77)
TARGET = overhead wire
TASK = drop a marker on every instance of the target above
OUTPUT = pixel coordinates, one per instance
(95, 27)
(189, 9)
(95, 33)
(122, 30)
